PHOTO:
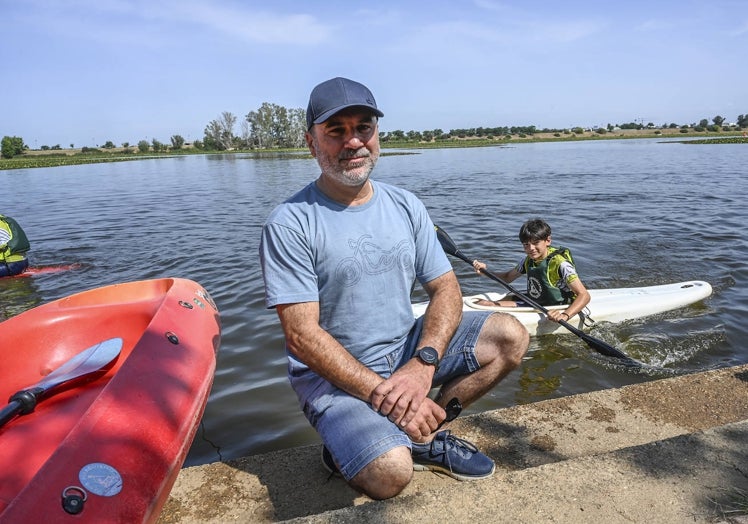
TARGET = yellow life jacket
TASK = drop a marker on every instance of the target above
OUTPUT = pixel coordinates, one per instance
(543, 277)
(13, 241)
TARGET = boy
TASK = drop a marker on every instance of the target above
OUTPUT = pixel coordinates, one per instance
(552, 278)
(13, 247)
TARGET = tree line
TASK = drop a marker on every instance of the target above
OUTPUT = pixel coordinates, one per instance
(273, 126)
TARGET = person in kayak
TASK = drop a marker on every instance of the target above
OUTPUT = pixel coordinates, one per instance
(552, 278)
(13, 247)
(339, 259)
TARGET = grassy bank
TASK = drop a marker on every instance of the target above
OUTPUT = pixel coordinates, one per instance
(67, 157)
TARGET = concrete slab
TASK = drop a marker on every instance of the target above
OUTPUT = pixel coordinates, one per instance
(669, 450)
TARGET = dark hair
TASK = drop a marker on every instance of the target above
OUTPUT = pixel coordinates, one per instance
(534, 230)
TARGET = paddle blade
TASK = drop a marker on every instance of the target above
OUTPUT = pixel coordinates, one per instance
(87, 365)
(98, 358)
(448, 244)
(604, 348)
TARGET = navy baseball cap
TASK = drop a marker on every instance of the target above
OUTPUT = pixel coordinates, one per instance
(336, 94)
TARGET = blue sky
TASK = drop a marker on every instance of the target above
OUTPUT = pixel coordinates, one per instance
(88, 71)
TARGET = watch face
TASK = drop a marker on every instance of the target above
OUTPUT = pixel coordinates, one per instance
(429, 355)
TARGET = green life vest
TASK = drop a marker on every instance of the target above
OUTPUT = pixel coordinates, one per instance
(543, 277)
(13, 241)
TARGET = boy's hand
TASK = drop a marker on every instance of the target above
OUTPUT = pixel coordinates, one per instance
(478, 265)
(557, 315)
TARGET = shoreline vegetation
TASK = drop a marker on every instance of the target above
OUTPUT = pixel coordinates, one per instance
(65, 157)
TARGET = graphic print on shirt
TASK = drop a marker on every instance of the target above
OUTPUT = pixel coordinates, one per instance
(369, 258)
(534, 287)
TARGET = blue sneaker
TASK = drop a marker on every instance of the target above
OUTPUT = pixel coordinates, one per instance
(454, 456)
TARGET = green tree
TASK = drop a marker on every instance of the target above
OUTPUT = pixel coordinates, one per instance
(157, 146)
(177, 142)
(108, 145)
(11, 146)
(219, 134)
(212, 136)
(718, 120)
(143, 146)
(742, 120)
(397, 135)
(276, 126)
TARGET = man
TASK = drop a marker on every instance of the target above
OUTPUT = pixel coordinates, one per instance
(339, 259)
(13, 247)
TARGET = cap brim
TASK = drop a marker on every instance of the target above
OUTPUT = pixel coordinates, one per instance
(327, 114)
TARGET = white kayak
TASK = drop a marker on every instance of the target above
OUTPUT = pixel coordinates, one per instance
(606, 305)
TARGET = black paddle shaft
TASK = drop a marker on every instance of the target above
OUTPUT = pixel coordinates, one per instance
(598, 345)
(21, 403)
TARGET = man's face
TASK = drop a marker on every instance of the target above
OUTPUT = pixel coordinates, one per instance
(346, 146)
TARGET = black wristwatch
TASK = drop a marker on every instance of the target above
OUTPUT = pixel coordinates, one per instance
(428, 355)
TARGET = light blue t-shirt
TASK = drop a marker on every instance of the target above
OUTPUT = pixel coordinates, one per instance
(359, 262)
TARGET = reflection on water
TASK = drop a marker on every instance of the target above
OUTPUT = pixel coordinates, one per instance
(634, 212)
(18, 294)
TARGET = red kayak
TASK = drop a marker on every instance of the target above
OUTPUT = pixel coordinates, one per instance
(32, 271)
(122, 374)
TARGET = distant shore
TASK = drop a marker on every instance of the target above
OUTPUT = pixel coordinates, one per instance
(76, 156)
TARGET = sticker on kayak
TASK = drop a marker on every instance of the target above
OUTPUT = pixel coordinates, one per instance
(101, 479)
(205, 296)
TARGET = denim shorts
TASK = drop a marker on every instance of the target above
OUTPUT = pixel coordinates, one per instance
(353, 432)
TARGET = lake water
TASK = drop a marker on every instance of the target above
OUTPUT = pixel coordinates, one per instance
(634, 213)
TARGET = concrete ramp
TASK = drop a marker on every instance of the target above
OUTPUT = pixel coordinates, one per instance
(672, 450)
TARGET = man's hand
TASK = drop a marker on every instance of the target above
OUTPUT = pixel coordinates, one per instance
(403, 398)
(427, 420)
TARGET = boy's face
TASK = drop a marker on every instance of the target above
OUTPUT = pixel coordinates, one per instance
(537, 249)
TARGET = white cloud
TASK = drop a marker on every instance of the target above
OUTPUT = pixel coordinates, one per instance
(252, 25)
(740, 30)
(554, 25)
(140, 22)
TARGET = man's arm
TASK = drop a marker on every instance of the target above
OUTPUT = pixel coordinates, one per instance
(444, 312)
(324, 355)
(404, 396)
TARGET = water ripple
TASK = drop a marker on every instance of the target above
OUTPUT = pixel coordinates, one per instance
(634, 212)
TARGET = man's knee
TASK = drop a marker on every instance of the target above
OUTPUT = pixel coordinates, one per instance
(510, 338)
(386, 476)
